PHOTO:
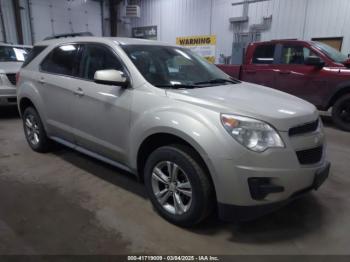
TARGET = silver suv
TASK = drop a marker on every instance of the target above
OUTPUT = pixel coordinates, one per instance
(11, 59)
(198, 139)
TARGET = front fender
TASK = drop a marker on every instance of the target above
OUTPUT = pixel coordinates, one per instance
(204, 134)
(344, 87)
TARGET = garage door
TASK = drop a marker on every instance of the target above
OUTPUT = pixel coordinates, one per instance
(51, 17)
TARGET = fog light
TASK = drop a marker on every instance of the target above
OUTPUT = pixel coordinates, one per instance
(260, 187)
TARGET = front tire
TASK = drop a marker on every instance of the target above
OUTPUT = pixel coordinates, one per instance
(341, 112)
(178, 186)
(34, 131)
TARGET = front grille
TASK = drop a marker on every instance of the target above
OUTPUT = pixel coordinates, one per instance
(307, 128)
(12, 78)
(310, 156)
(12, 100)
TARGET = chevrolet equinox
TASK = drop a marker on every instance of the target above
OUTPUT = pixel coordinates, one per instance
(199, 139)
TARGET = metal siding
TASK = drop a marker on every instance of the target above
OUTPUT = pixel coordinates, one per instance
(57, 17)
(27, 38)
(302, 19)
(329, 19)
(9, 21)
(175, 17)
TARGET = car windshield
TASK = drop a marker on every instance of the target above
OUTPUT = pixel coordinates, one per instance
(332, 53)
(175, 67)
(13, 54)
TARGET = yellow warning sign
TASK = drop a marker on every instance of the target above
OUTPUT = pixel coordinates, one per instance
(204, 45)
(196, 40)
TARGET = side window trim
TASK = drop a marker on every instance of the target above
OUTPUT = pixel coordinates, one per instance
(82, 47)
(278, 54)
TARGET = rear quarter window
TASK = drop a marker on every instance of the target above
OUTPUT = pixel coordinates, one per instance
(33, 54)
(264, 54)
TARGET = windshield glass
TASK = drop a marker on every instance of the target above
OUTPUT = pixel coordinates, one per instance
(166, 66)
(332, 53)
(13, 54)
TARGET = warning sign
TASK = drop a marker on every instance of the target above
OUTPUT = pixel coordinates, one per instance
(204, 45)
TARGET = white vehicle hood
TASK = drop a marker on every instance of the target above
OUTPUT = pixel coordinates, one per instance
(10, 67)
(281, 110)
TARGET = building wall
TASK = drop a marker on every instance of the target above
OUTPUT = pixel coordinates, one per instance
(301, 19)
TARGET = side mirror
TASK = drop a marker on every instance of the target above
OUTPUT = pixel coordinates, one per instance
(111, 77)
(314, 61)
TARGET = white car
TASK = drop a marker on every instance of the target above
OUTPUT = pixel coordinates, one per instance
(11, 60)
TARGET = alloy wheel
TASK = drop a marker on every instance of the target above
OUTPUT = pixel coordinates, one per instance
(171, 187)
(345, 111)
(32, 129)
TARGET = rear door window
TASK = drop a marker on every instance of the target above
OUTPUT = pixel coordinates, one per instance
(264, 54)
(62, 60)
(98, 57)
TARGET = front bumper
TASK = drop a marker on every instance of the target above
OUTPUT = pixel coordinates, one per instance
(8, 96)
(237, 213)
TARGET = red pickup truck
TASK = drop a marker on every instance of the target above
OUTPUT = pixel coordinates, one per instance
(310, 70)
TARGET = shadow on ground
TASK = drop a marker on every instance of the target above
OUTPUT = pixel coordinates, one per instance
(302, 216)
(111, 174)
(48, 223)
(328, 122)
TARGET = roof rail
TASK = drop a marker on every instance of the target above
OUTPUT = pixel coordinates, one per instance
(286, 39)
(68, 35)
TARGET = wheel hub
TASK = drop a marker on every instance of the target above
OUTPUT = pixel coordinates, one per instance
(32, 130)
(171, 187)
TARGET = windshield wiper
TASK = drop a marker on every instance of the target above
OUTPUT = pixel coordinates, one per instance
(178, 86)
(217, 81)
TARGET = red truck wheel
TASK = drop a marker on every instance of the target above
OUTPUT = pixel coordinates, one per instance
(341, 112)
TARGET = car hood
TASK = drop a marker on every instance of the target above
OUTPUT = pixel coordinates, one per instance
(10, 67)
(281, 110)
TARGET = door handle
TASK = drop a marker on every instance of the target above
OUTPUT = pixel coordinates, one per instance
(41, 80)
(251, 72)
(285, 72)
(79, 92)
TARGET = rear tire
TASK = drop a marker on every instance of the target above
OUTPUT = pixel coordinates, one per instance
(178, 186)
(34, 131)
(341, 112)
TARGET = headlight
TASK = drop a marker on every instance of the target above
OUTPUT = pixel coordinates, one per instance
(1, 77)
(251, 133)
